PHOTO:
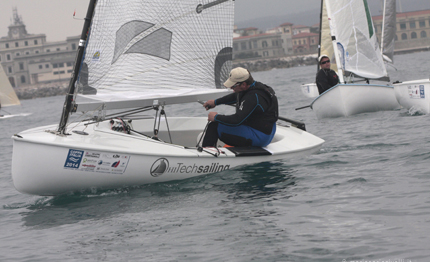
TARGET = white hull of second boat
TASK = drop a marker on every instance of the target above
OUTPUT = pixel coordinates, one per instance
(414, 94)
(310, 90)
(351, 99)
(44, 163)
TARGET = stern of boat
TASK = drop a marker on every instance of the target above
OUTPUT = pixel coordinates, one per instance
(414, 94)
(350, 99)
(310, 90)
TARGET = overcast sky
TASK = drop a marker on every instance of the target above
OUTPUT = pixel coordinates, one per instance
(55, 17)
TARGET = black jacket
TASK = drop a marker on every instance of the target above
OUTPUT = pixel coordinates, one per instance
(256, 107)
(326, 79)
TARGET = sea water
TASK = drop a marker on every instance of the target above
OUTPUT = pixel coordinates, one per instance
(363, 197)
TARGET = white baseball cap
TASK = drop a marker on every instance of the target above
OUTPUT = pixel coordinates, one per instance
(321, 57)
(238, 74)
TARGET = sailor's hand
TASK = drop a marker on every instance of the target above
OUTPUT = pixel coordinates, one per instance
(209, 104)
(211, 116)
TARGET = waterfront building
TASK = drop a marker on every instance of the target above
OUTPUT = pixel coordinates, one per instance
(299, 29)
(412, 31)
(28, 59)
(305, 43)
(246, 31)
(254, 44)
(266, 45)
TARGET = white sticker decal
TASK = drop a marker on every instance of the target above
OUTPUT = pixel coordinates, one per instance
(416, 91)
(92, 161)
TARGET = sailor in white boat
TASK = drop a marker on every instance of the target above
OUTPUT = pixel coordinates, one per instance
(326, 77)
(253, 123)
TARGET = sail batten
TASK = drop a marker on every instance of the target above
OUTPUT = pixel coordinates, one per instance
(147, 49)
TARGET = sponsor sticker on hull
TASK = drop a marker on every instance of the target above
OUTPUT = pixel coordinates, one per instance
(416, 91)
(91, 161)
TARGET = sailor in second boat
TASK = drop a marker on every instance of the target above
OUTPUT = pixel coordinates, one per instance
(326, 77)
(254, 123)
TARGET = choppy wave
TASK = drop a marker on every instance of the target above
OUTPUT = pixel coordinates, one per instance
(364, 196)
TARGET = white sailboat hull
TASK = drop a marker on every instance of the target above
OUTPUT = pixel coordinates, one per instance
(414, 94)
(310, 90)
(351, 99)
(44, 163)
(10, 116)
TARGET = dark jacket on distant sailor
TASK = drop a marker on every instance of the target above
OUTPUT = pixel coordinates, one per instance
(326, 79)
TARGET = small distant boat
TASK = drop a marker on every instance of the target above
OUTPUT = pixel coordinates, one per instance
(414, 94)
(310, 90)
(7, 95)
(347, 37)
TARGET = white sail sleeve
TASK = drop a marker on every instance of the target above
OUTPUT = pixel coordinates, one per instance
(326, 42)
(148, 49)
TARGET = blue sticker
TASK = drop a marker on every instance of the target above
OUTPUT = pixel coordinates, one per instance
(422, 95)
(341, 55)
(74, 158)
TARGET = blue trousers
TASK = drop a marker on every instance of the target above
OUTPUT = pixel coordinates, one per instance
(236, 135)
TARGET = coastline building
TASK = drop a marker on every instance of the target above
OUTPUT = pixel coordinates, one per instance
(413, 34)
(28, 59)
(305, 43)
(246, 31)
(285, 40)
(265, 45)
(299, 29)
(254, 44)
(412, 31)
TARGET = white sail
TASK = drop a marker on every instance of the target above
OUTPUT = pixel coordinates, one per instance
(388, 28)
(351, 24)
(148, 49)
(326, 42)
(7, 94)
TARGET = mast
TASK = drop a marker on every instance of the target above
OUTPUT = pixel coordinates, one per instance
(319, 44)
(334, 41)
(383, 26)
(68, 104)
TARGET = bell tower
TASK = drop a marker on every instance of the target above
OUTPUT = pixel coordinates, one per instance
(17, 28)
